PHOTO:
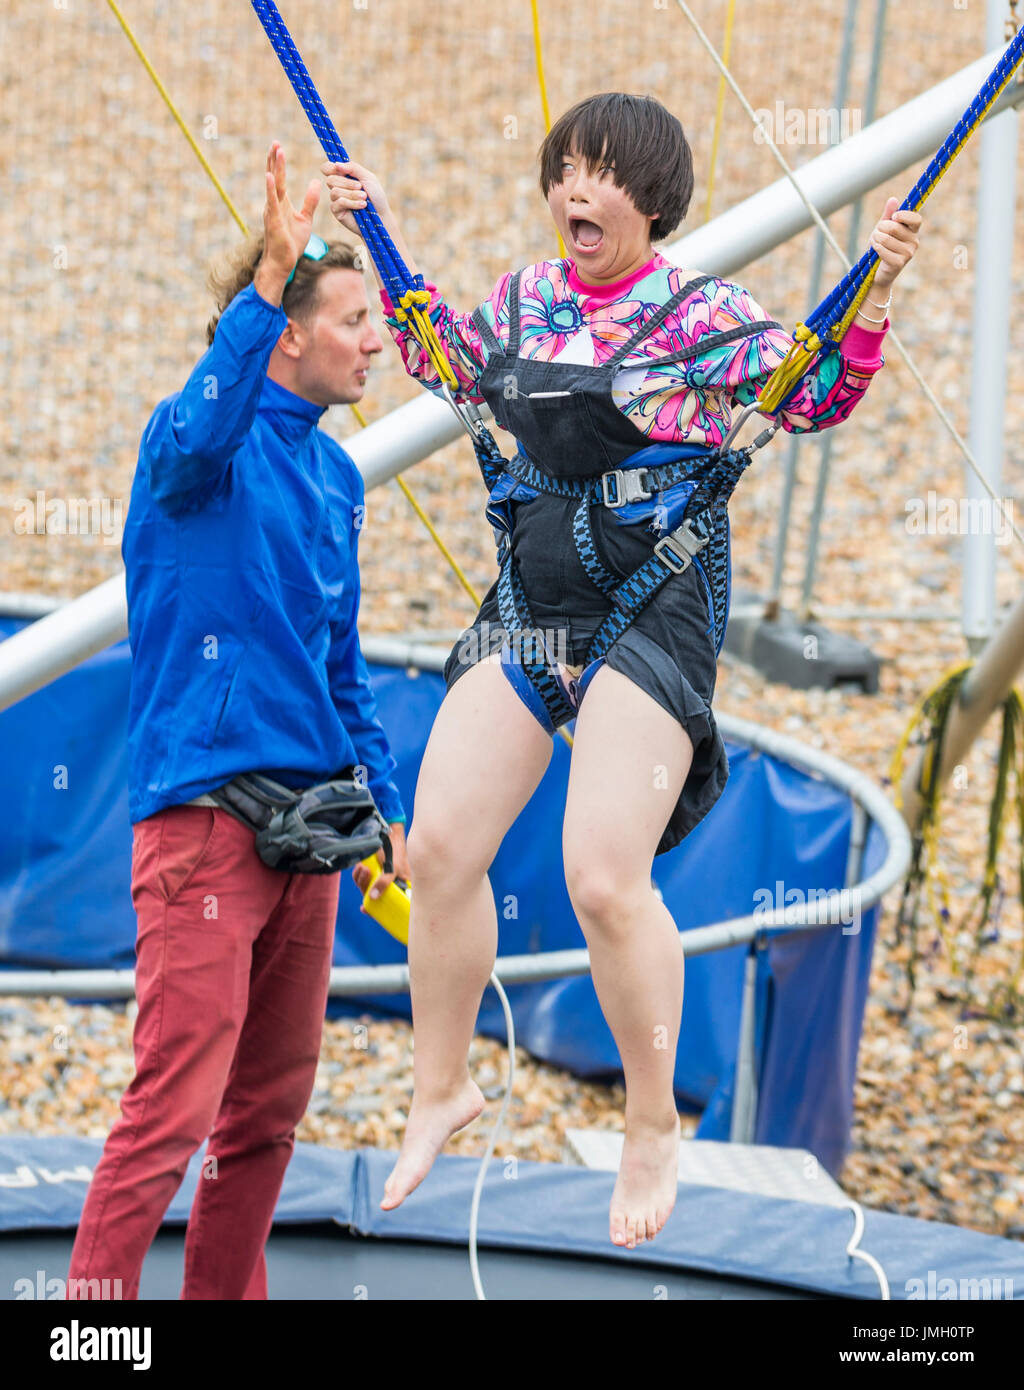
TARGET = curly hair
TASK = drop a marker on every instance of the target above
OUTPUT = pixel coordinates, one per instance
(230, 276)
(646, 143)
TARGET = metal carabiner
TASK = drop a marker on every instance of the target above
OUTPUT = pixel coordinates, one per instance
(738, 424)
(474, 425)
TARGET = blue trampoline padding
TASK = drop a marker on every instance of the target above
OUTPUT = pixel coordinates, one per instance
(43, 1180)
(559, 1209)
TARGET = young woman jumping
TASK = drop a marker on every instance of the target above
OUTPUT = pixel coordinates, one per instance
(590, 362)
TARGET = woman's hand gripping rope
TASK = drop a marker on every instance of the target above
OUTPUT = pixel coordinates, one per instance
(350, 186)
(894, 241)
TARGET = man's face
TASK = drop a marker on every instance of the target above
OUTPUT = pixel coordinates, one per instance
(337, 342)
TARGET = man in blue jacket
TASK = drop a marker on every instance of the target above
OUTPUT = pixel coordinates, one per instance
(243, 593)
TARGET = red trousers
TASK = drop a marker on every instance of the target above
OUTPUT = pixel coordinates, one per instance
(233, 960)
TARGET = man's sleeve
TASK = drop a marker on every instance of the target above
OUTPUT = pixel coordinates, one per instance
(192, 437)
(352, 693)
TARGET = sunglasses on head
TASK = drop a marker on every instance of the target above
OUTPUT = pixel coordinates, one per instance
(316, 250)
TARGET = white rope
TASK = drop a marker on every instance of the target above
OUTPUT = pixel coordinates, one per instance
(478, 1188)
(826, 232)
(854, 1253)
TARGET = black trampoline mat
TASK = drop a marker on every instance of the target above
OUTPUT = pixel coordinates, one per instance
(325, 1261)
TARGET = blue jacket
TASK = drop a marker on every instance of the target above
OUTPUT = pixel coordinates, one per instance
(243, 586)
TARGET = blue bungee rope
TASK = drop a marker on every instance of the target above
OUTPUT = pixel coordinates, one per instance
(393, 270)
(834, 307)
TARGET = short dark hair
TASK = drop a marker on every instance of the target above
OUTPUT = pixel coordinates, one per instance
(231, 276)
(652, 156)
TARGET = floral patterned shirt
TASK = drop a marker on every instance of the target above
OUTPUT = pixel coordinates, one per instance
(563, 318)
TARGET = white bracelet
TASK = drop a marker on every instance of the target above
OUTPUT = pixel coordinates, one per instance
(869, 318)
(876, 305)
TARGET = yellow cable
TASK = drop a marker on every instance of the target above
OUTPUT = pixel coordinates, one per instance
(719, 107)
(543, 94)
(896, 764)
(930, 829)
(177, 116)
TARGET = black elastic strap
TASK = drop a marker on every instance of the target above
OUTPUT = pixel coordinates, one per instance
(513, 315)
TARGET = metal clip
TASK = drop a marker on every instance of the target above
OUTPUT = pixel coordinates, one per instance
(628, 487)
(683, 544)
(474, 424)
(761, 440)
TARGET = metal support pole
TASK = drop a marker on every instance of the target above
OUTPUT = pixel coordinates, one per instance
(813, 295)
(744, 1099)
(985, 687)
(852, 252)
(858, 839)
(990, 331)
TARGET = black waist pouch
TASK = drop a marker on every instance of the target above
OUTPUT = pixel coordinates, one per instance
(318, 830)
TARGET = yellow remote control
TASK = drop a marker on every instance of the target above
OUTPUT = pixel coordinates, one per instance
(391, 909)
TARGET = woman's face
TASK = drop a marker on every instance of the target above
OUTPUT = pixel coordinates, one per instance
(603, 231)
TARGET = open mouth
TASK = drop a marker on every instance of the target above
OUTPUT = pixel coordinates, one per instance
(587, 236)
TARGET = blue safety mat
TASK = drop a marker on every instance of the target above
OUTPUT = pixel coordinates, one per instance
(561, 1209)
(65, 868)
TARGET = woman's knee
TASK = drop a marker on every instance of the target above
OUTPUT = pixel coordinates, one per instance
(602, 893)
(429, 846)
(440, 850)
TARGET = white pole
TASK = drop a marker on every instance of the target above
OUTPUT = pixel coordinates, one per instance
(46, 649)
(40, 653)
(991, 257)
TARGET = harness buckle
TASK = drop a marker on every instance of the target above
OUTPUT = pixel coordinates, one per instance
(627, 484)
(682, 544)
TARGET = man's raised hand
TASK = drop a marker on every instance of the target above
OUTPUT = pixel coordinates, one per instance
(286, 232)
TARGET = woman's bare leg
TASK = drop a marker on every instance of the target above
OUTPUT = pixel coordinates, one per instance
(629, 764)
(484, 759)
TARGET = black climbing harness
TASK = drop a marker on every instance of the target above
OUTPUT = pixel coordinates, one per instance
(713, 474)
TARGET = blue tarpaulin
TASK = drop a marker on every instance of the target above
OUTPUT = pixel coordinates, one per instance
(65, 869)
(560, 1209)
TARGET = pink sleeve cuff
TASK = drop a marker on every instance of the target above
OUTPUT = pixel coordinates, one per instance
(862, 347)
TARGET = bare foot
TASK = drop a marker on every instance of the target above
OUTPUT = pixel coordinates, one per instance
(429, 1127)
(645, 1191)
